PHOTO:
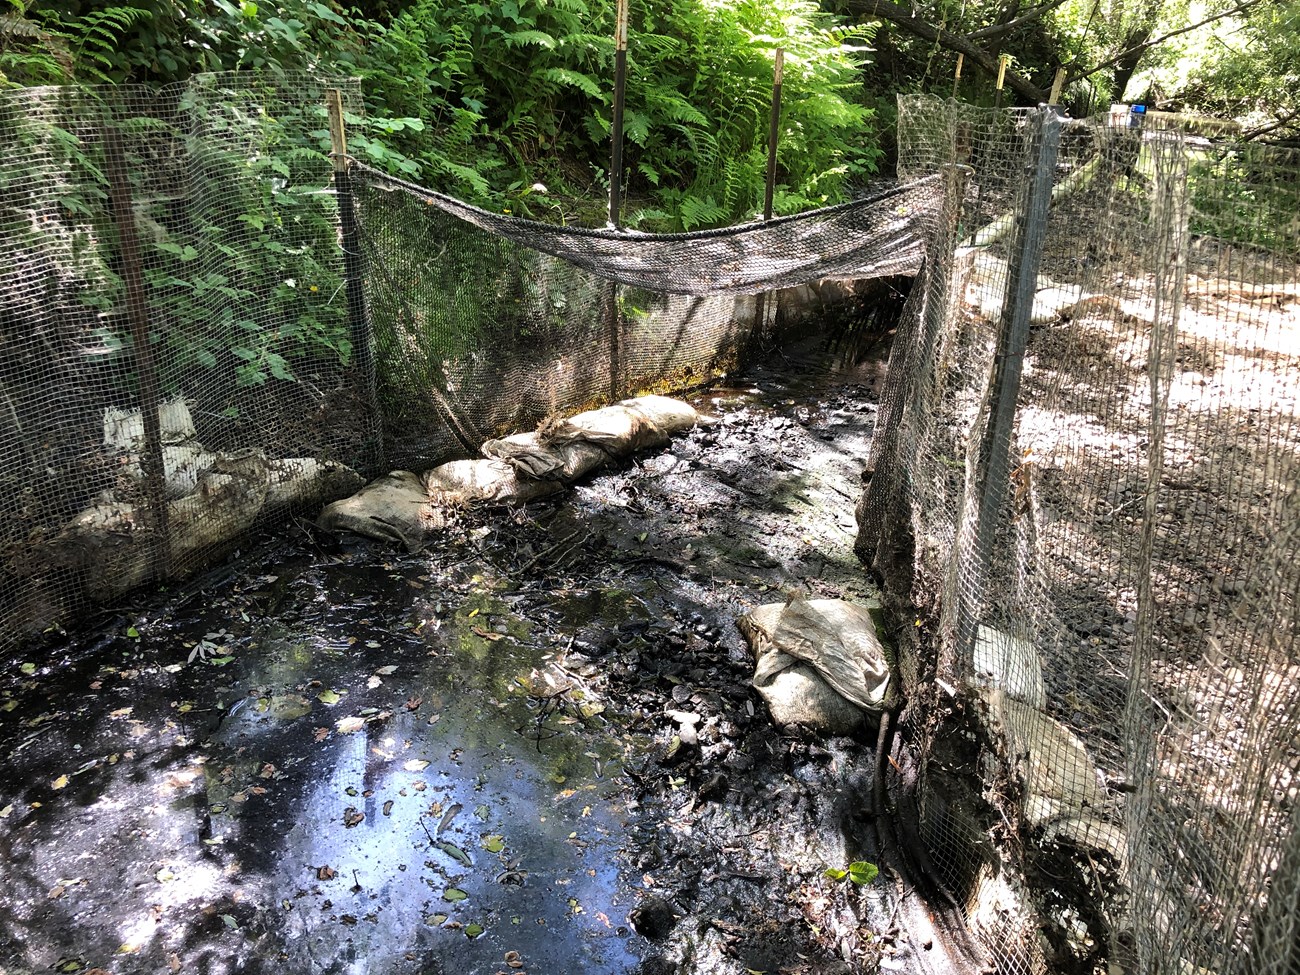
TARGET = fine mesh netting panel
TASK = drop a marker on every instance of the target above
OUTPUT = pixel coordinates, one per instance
(486, 323)
(1103, 538)
(177, 363)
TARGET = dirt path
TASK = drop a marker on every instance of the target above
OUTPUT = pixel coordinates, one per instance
(465, 761)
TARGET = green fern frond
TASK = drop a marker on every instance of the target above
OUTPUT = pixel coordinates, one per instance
(522, 38)
(573, 79)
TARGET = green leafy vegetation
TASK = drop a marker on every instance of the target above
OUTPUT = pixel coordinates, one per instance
(859, 872)
(507, 105)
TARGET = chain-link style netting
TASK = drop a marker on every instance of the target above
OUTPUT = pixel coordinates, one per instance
(1086, 472)
(176, 360)
(486, 323)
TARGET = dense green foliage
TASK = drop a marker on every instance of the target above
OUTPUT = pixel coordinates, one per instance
(508, 104)
(1235, 59)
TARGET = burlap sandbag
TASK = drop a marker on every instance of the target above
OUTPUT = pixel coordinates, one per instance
(484, 482)
(572, 448)
(531, 457)
(818, 662)
(392, 508)
(403, 507)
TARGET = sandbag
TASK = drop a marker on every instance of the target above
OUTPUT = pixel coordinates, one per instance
(815, 657)
(392, 508)
(403, 507)
(569, 449)
(484, 482)
(531, 457)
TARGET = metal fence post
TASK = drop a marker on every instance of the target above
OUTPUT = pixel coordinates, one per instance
(993, 460)
(354, 272)
(152, 465)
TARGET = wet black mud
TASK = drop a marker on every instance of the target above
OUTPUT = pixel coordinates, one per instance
(533, 747)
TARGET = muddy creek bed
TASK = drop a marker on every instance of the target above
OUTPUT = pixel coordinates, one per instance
(533, 747)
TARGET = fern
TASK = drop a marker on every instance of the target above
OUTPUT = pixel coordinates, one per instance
(521, 38)
(696, 212)
(575, 79)
(97, 37)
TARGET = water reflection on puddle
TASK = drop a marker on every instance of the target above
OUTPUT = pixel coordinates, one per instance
(457, 801)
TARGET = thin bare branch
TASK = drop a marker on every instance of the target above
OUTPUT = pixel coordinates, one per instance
(896, 14)
(1273, 126)
(997, 30)
(1156, 41)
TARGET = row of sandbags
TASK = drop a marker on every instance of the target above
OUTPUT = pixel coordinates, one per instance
(404, 507)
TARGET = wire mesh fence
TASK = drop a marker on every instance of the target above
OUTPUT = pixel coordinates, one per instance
(206, 328)
(176, 363)
(1113, 606)
(486, 323)
(1083, 477)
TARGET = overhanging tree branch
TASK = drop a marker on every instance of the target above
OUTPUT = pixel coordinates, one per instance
(1280, 123)
(1155, 41)
(895, 14)
(996, 30)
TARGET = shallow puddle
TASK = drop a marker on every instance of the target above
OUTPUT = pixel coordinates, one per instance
(469, 760)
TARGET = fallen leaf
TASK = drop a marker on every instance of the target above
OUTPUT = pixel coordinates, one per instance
(494, 843)
(416, 765)
(514, 960)
(174, 962)
(385, 671)
(436, 920)
(348, 725)
(60, 783)
(4, 813)
(329, 697)
(28, 669)
(268, 771)
(351, 817)
(473, 929)
(455, 852)
(230, 922)
(164, 875)
(127, 949)
(373, 682)
(454, 894)
(325, 873)
(487, 634)
(320, 734)
(413, 703)
(388, 808)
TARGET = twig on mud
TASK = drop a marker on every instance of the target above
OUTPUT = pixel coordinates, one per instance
(432, 841)
(552, 548)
